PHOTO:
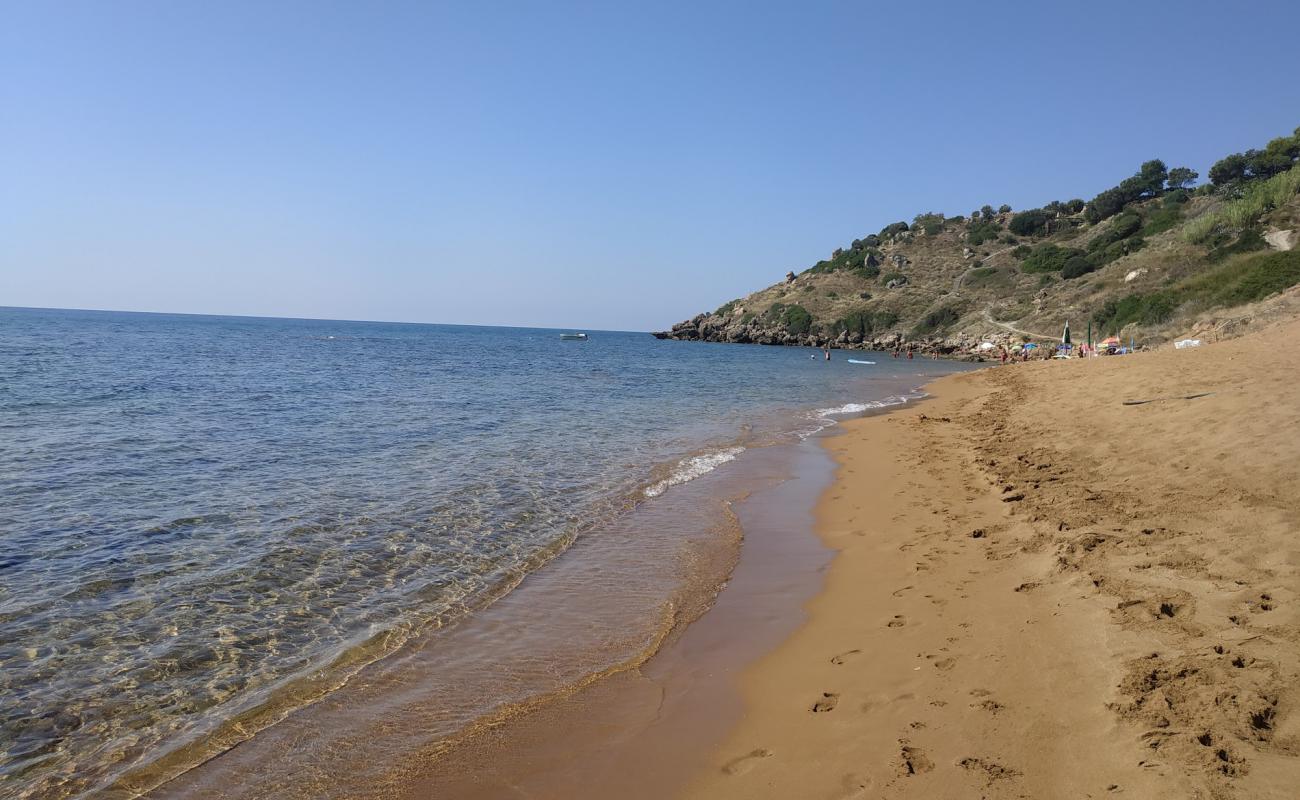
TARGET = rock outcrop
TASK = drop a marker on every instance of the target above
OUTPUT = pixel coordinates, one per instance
(712, 328)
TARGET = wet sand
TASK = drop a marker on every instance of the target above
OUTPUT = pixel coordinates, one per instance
(612, 732)
(1040, 591)
(639, 734)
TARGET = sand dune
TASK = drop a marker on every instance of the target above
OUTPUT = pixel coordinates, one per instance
(1043, 592)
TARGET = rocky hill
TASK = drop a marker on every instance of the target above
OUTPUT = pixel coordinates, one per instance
(1150, 259)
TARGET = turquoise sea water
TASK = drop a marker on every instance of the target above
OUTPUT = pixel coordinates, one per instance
(199, 511)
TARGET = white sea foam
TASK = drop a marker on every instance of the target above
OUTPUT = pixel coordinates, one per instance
(688, 469)
(823, 418)
(858, 408)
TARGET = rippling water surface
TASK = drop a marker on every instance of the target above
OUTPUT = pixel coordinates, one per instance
(202, 511)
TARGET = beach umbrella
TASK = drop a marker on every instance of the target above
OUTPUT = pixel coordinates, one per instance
(1031, 346)
(1065, 334)
(1089, 334)
(1111, 341)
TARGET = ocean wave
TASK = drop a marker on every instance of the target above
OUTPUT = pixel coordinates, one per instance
(858, 408)
(688, 469)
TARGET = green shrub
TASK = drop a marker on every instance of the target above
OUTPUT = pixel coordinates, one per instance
(867, 273)
(938, 319)
(1143, 309)
(988, 277)
(1022, 251)
(1163, 219)
(794, 318)
(1248, 241)
(1123, 226)
(1029, 223)
(865, 322)
(725, 309)
(1176, 198)
(1243, 280)
(981, 232)
(797, 319)
(892, 276)
(1076, 266)
(852, 259)
(930, 222)
(1246, 280)
(1048, 257)
(1260, 198)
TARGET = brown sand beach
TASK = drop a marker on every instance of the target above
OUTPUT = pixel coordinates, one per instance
(1041, 591)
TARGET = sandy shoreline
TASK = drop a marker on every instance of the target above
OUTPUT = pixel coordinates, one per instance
(1040, 591)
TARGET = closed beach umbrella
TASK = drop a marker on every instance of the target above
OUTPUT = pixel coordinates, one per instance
(1065, 334)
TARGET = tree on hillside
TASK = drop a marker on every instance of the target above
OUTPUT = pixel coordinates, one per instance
(1228, 169)
(1152, 177)
(1180, 177)
(1029, 223)
(1277, 156)
(1148, 182)
(1004, 209)
(987, 211)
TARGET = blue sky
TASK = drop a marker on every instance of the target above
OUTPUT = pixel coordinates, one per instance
(601, 165)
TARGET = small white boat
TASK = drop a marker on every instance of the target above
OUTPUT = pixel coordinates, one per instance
(574, 337)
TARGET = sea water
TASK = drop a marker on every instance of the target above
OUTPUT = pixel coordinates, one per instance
(207, 516)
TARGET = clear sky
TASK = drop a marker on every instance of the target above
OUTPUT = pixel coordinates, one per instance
(602, 165)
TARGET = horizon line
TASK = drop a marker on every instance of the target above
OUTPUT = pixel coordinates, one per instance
(310, 319)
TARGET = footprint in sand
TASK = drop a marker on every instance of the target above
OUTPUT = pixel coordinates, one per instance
(1264, 603)
(991, 771)
(742, 764)
(945, 664)
(845, 656)
(912, 760)
(827, 703)
(898, 621)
